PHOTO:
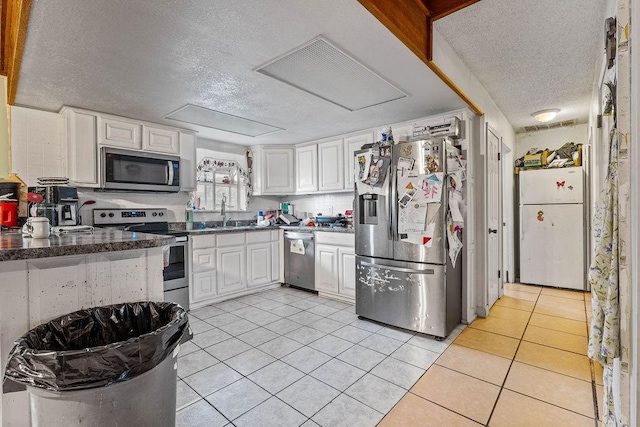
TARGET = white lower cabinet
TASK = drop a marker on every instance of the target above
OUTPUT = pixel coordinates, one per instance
(336, 265)
(227, 265)
(231, 266)
(347, 270)
(258, 264)
(203, 286)
(327, 268)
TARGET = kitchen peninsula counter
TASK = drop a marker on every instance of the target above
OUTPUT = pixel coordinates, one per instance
(13, 246)
(46, 278)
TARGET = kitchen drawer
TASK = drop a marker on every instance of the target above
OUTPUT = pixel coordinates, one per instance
(332, 238)
(206, 241)
(204, 259)
(259, 237)
(231, 239)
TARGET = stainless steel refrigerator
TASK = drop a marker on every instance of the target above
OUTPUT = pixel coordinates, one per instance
(406, 279)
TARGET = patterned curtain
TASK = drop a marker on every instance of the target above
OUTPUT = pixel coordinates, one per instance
(604, 336)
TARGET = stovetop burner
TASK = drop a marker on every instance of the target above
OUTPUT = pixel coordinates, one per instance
(153, 221)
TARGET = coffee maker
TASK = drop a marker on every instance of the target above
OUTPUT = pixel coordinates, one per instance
(59, 204)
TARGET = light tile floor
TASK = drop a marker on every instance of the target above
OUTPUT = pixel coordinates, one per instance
(286, 357)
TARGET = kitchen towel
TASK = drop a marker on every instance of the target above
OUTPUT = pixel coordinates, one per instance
(297, 247)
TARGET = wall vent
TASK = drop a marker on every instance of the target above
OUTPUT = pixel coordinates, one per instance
(213, 119)
(323, 70)
(547, 126)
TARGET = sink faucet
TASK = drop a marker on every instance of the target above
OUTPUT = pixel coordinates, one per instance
(223, 210)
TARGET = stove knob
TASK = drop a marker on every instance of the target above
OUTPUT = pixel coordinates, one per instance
(111, 215)
(161, 214)
(155, 214)
(103, 215)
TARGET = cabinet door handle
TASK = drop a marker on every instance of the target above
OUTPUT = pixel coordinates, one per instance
(493, 230)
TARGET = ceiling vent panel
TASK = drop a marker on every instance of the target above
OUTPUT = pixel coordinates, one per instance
(222, 121)
(321, 69)
(547, 126)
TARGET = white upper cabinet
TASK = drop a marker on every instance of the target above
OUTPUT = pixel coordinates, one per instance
(275, 170)
(307, 169)
(188, 161)
(331, 165)
(160, 140)
(119, 133)
(82, 151)
(351, 145)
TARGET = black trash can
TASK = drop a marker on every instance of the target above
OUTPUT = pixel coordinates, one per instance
(103, 366)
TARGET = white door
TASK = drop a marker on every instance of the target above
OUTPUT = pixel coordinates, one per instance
(551, 245)
(307, 169)
(493, 211)
(330, 166)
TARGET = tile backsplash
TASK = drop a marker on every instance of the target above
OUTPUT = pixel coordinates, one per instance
(326, 204)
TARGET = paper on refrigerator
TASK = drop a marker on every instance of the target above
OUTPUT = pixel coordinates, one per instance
(432, 187)
(453, 238)
(455, 200)
(372, 173)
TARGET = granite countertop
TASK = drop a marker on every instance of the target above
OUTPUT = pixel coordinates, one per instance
(232, 229)
(220, 230)
(319, 229)
(13, 246)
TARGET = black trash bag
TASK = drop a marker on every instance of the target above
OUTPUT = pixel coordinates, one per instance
(97, 346)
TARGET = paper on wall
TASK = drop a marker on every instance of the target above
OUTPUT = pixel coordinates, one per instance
(432, 187)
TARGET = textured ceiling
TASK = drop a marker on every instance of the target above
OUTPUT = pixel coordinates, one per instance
(531, 55)
(144, 59)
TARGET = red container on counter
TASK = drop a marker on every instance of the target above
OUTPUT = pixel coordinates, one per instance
(9, 213)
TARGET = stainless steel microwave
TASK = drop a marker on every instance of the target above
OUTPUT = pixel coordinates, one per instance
(127, 170)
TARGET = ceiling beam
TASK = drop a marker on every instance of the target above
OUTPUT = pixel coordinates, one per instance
(411, 21)
(441, 8)
(14, 18)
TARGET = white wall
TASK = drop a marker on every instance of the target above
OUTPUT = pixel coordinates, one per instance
(551, 138)
(326, 204)
(447, 60)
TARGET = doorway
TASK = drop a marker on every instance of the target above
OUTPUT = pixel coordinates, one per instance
(507, 192)
(493, 209)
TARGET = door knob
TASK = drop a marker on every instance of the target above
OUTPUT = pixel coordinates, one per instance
(493, 230)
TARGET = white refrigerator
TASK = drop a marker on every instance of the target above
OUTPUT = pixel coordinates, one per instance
(552, 228)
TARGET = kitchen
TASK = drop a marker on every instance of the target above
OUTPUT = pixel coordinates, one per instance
(317, 134)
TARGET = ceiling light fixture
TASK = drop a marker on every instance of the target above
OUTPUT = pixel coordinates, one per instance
(546, 115)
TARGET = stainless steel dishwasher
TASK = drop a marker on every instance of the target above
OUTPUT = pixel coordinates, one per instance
(299, 259)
